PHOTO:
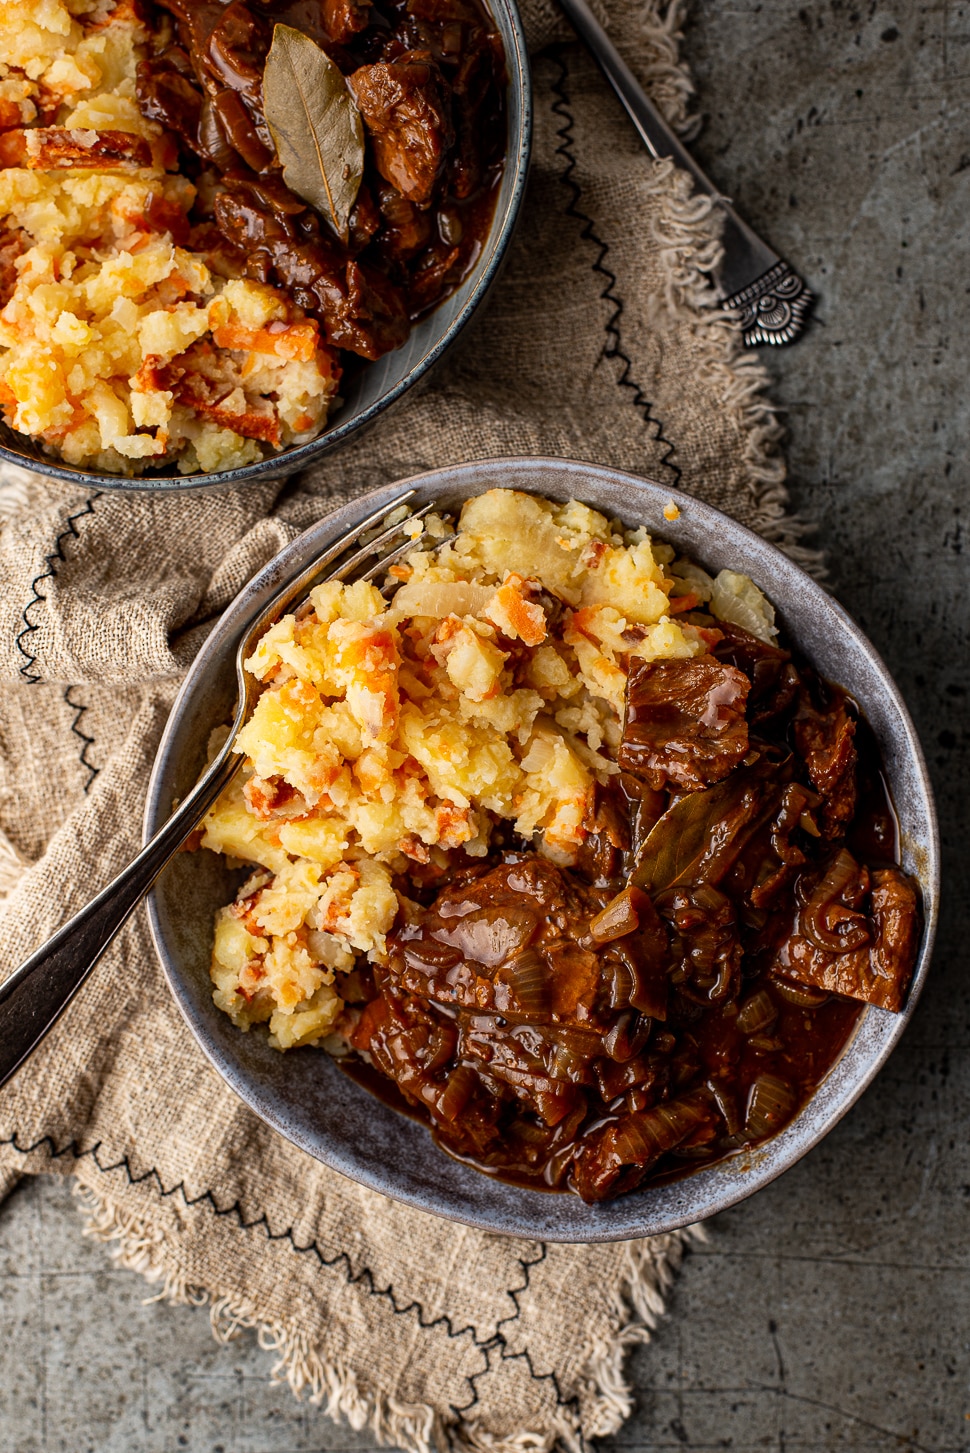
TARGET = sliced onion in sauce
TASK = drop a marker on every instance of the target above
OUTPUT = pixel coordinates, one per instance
(727, 1103)
(618, 918)
(457, 1092)
(634, 1142)
(796, 994)
(627, 1036)
(770, 1105)
(757, 1013)
(828, 923)
(426, 955)
(527, 976)
(645, 1137)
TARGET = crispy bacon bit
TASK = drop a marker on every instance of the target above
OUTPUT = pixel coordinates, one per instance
(267, 796)
(250, 979)
(414, 848)
(43, 148)
(453, 825)
(150, 378)
(13, 148)
(125, 10)
(582, 622)
(249, 424)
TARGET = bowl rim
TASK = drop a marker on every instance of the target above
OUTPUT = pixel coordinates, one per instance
(289, 461)
(723, 1184)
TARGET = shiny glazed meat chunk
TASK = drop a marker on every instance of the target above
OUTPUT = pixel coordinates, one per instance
(685, 722)
(856, 934)
(406, 114)
(824, 736)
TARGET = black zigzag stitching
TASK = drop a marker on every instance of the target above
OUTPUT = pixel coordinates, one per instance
(28, 670)
(499, 1343)
(86, 741)
(363, 1277)
(614, 346)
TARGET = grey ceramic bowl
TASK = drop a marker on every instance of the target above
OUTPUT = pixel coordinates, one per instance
(378, 386)
(304, 1096)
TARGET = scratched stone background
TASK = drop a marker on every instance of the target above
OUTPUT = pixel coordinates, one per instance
(832, 1311)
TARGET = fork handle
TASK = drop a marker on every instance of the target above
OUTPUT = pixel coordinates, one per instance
(36, 994)
(746, 255)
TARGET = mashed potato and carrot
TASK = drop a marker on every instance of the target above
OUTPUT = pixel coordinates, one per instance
(396, 730)
(126, 342)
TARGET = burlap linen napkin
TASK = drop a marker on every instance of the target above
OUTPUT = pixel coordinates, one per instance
(602, 341)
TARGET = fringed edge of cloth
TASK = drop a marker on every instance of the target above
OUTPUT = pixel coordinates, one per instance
(648, 1270)
(690, 252)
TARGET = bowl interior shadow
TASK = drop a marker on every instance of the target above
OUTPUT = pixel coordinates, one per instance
(305, 1096)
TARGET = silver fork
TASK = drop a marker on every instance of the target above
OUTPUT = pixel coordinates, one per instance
(769, 298)
(36, 994)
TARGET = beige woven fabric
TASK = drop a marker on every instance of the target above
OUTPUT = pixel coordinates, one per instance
(428, 1332)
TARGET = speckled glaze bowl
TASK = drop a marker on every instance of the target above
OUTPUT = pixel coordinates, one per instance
(303, 1094)
(378, 386)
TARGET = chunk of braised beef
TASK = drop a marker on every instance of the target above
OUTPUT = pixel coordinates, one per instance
(364, 222)
(856, 934)
(407, 228)
(823, 731)
(41, 148)
(168, 93)
(685, 722)
(774, 679)
(405, 108)
(433, 278)
(343, 19)
(607, 829)
(616, 1157)
(480, 68)
(372, 319)
(360, 310)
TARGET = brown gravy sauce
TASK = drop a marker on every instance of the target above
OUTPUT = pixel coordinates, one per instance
(681, 992)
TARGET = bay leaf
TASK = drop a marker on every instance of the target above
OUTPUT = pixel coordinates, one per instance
(701, 836)
(676, 843)
(315, 124)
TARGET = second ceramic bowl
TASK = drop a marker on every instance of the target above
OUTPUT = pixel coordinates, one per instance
(303, 1094)
(378, 386)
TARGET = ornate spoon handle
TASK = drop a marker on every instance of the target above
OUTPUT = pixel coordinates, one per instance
(771, 298)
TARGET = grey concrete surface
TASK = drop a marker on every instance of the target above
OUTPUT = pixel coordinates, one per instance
(832, 1311)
